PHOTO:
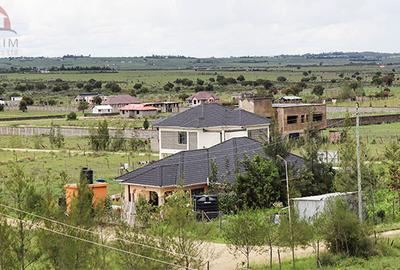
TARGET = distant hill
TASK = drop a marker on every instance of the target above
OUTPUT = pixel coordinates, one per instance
(159, 62)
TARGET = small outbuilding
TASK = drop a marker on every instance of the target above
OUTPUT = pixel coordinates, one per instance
(138, 110)
(102, 109)
(311, 206)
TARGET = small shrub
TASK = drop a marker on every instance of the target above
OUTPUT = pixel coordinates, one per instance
(71, 116)
(328, 259)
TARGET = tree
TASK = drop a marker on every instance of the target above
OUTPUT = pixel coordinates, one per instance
(100, 138)
(7, 257)
(146, 124)
(71, 116)
(118, 142)
(275, 144)
(55, 137)
(343, 232)
(64, 252)
(181, 228)
(200, 81)
(137, 86)
(183, 96)
(29, 101)
(97, 100)
(392, 161)
(23, 106)
(168, 86)
(240, 78)
(318, 90)
(296, 232)
(259, 186)
(315, 177)
(82, 106)
(281, 79)
(130, 237)
(21, 193)
(244, 233)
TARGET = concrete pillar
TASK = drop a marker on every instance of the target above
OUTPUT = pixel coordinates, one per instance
(161, 198)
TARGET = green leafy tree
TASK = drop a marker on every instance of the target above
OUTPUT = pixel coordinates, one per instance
(71, 116)
(100, 138)
(130, 237)
(295, 233)
(55, 137)
(118, 141)
(392, 162)
(244, 233)
(315, 177)
(182, 228)
(7, 257)
(23, 106)
(21, 194)
(82, 106)
(240, 78)
(146, 124)
(343, 232)
(318, 90)
(97, 100)
(281, 79)
(259, 186)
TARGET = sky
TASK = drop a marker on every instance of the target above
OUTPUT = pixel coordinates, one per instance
(202, 28)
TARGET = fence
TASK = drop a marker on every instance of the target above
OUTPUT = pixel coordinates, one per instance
(366, 120)
(150, 134)
(62, 109)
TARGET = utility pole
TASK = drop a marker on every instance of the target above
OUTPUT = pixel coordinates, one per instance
(360, 210)
(289, 211)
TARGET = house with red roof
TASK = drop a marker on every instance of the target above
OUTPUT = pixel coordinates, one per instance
(137, 111)
(119, 101)
(201, 98)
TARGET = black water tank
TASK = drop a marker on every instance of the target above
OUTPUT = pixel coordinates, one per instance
(206, 206)
(88, 173)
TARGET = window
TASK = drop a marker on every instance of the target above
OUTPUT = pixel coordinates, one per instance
(317, 117)
(182, 137)
(294, 136)
(292, 119)
(302, 118)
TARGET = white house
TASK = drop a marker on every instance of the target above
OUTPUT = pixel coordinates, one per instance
(16, 99)
(207, 125)
(102, 109)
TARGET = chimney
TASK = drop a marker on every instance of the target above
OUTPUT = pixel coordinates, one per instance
(259, 105)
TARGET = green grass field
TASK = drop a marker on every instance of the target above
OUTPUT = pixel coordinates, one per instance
(105, 165)
(16, 113)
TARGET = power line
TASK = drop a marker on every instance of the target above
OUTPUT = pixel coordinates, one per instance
(101, 245)
(92, 232)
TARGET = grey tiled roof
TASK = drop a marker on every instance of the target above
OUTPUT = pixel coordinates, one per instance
(194, 166)
(212, 115)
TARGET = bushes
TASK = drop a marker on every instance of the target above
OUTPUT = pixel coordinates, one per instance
(71, 116)
(343, 232)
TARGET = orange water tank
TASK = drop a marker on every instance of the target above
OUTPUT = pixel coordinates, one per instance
(99, 193)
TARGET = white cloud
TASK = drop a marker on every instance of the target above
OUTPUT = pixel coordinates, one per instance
(202, 28)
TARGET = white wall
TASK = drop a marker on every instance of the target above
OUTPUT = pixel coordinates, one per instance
(208, 139)
(236, 134)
